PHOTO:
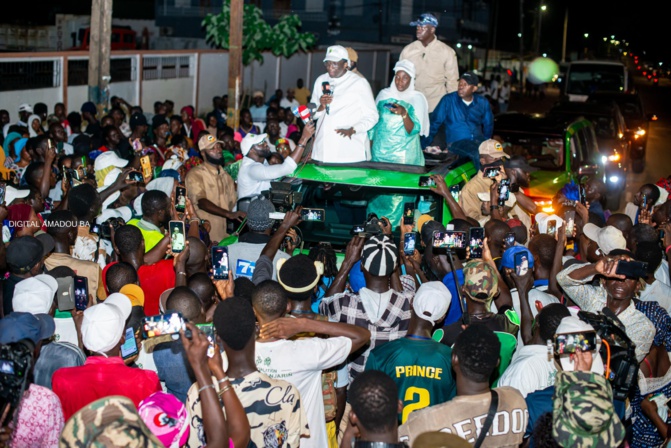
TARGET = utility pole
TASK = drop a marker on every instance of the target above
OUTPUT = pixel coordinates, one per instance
(563, 47)
(521, 46)
(99, 53)
(235, 63)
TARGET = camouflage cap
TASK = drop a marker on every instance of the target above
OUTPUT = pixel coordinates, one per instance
(583, 412)
(110, 421)
(480, 281)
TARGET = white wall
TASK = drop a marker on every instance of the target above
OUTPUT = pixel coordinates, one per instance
(293, 68)
(12, 99)
(213, 79)
(179, 90)
(77, 95)
(261, 76)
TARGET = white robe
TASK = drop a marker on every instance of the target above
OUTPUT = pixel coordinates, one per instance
(353, 105)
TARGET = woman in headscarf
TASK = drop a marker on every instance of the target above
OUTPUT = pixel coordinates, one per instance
(191, 125)
(404, 116)
(35, 125)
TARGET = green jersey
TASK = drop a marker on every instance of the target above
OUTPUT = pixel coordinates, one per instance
(421, 369)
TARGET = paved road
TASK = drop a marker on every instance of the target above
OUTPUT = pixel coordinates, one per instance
(658, 156)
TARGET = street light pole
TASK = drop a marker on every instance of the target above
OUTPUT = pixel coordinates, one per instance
(521, 46)
(563, 47)
(540, 22)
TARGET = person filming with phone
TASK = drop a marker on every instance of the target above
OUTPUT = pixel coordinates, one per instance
(619, 284)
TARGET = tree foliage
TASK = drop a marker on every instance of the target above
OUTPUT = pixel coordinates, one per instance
(282, 39)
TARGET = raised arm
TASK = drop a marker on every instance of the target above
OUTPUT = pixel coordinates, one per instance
(286, 327)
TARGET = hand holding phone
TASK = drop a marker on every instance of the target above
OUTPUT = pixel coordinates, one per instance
(476, 242)
(521, 263)
(162, 324)
(504, 191)
(632, 269)
(450, 239)
(65, 295)
(313, 214)
(426, 181)
(81, 287)
(569, 218)
(552, 227)
(129, 346)
(409, 243)
(569, 343)
(409, 213)
(180, 199)
(492, 172)
(509, 240)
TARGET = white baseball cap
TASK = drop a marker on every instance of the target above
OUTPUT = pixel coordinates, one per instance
(107, 159)
(124, 213)
(25, 107)
(173, 163)
(12, 194)
(607, 238)
(336, 53)
(251, 140)
(431, 302)
(104, 324)
(110, 178)
(573, 324)
(35, 295)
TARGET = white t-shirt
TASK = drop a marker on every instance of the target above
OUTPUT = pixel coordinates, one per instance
(529, 370)
(301, 362)
(660, 289)
(284, 103)
(254, 177)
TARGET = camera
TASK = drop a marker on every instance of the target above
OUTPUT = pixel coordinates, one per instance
(103, 230)
(16, 360)
(370, 227)
(283, 197)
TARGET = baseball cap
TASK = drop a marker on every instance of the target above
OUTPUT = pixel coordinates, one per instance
(257, 94)
(25, 107)
(173, 163)
(432, 301)
(11, 194)
(137, 120)
(35, 295)
(208, 141)
(607, 238)
(104, 324)
(24, 252)
(508, 257)
(134, 293)
(124, 213)
(107, 159)
(336, 53)
(17, 326)
(519, 162)
(109, 421)
(90, 107)
(166, 417)
(573, 324)
(492, 148)
(480, 281)
(423, 219)
(379, 255)
(425, 19)
(470, 78)
(251, 140)
(258, 214)
(583, 414)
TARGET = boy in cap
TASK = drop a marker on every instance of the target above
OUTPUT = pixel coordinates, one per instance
(346, 111)
(435, 62)
(104, 373)
(467, 117)
(475, 358)
(416, 362)
(40, 418)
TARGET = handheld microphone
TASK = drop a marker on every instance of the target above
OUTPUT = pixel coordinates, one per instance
(304, 114)
(326, 90)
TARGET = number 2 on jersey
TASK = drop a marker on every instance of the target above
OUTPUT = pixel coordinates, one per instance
(423, 401)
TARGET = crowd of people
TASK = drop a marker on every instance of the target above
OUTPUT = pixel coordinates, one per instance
(152, 297)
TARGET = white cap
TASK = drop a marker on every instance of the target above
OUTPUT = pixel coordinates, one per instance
(663, 195)
(110, 178)
(607, 238)
(121, 212)
(107, 159)
(104, 324)
(431, 302)
(164, 184)
(251, 140)
(35, 295)
(336, 53)
(25, 107)
(173, 163)
(407, 66)
(137, 205)
(572, 324)
(12, 193)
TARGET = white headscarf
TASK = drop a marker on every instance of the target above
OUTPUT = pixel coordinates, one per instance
(31, 131)
(409, 95)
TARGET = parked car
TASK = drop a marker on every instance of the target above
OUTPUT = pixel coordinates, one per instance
(611, 133)
(636, 119)
(347, 194)
(562, 148)
(586, 77)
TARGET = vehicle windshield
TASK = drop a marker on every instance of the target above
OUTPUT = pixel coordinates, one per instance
(542, 151)
(584, 79)
(630, 109)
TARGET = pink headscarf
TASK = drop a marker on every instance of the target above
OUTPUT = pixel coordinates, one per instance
(188, 110)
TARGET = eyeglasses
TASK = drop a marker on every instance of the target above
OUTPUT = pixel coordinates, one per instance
(331, 63)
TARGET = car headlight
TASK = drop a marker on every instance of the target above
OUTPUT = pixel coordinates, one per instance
(639, 133)
(614, 158)
(614, 179)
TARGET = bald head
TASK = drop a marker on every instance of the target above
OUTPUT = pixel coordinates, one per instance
(183, 300)
(621, 222)
(197, 261)
(201, 284)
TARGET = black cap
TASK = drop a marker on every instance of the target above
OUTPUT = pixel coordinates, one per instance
(470, 78)
(158, 120)
(137, 120)
(518, 162)
(24, 252)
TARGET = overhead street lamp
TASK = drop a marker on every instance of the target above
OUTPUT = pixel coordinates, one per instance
(541, 9)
